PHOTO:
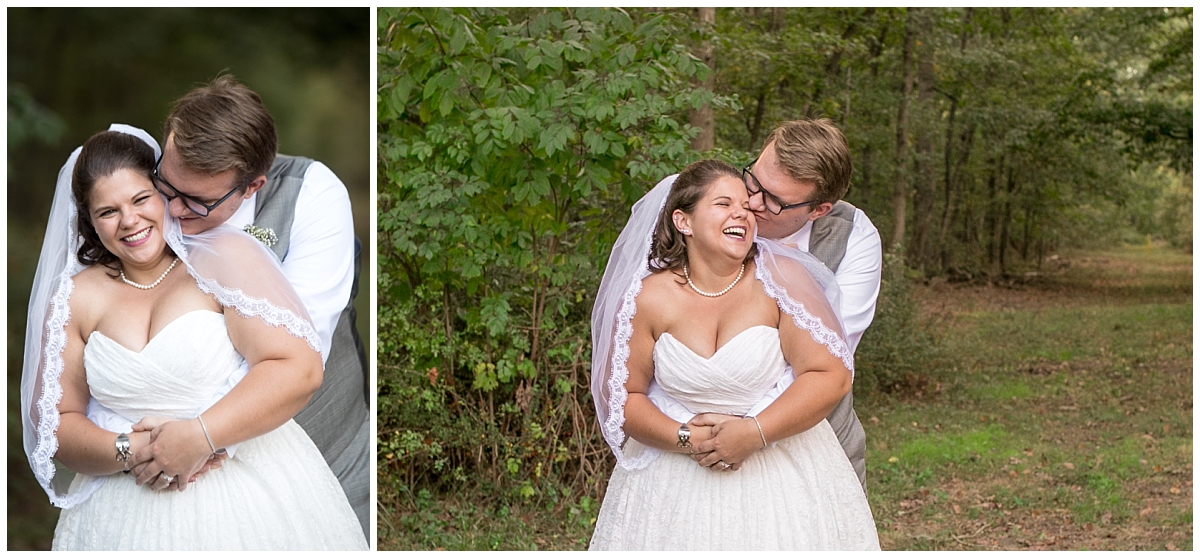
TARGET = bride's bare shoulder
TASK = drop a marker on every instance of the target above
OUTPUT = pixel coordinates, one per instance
(94, 277)
(90, 292)
(658, 293)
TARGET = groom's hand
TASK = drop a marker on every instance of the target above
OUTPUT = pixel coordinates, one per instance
(733, 440)
(177, 449)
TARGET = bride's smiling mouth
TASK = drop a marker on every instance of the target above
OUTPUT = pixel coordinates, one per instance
(137, 238)
(738, 232)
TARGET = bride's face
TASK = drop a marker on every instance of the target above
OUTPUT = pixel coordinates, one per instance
(128, 212)
(722, 221)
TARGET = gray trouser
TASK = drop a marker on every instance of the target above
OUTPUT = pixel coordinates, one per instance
(850, 433)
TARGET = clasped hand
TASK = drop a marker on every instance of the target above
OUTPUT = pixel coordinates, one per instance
(177, 449)
(732, 440)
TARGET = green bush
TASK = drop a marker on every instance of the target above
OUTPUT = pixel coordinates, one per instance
(896, 352)
(511, 146)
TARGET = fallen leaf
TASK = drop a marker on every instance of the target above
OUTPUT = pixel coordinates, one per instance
(1171, 546)
(1146, 511)
(957, 509)
(1069, 465)
(893, 459)
(874, 420)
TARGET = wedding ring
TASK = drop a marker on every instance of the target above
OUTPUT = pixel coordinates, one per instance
(724, 465)
(169, 479)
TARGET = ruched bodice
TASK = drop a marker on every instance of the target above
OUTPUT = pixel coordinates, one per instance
(731, 381)
(800, 493)
(175, 375)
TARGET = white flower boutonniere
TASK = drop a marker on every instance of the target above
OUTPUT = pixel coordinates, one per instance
(264, 235)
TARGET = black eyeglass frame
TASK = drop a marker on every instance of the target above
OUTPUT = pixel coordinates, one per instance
(766, 194)
(157, 178)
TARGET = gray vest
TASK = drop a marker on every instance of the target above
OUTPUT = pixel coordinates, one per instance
(830, 233)
(337, 418)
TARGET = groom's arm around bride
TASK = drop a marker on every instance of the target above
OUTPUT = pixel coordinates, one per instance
(221, 134)
(796, 186)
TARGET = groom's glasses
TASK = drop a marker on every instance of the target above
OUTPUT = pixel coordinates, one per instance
(196, 206)
(754, 187)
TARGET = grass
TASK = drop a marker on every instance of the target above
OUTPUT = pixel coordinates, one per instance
(1064, 422)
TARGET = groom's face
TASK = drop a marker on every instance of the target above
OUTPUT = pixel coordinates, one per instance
(788, 191)
(205, 188)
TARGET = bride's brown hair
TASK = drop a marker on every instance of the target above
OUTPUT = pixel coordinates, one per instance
(668, 249)
(102, 155)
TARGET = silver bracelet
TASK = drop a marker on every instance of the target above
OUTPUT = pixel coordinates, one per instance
(206, 436)
(760, 432)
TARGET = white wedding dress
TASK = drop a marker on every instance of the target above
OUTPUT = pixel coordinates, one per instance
(274, 493)
(798, 494)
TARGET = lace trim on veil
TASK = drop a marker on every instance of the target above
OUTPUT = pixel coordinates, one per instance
(42, 459)
(803, 318)
(614, 427)
(248, 306)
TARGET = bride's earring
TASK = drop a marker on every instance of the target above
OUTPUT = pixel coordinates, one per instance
(685, 231)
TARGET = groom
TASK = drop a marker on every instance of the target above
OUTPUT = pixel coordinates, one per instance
(795, 186)
(219, 166)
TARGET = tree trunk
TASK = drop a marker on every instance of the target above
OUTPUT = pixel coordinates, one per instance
(755, 130)
(955, 185)
(703, 117)
(1006, 221)
(900, 182)
(925, 181)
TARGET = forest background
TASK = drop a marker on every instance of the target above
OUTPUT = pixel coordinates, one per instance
(72, 72)
(512, 143)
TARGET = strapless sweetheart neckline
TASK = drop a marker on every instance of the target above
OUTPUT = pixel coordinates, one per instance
(719, 349)
(156, 335)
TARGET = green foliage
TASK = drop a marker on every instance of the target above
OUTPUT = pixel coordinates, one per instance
(1024, 116)
(896, 352)
(508, 139)
(1175, 213)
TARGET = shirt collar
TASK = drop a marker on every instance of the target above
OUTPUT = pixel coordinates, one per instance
(800, 238)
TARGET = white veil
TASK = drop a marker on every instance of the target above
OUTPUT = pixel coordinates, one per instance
(800, 284)
(238, 271)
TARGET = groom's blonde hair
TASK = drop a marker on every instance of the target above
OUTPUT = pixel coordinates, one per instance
(223, 126)
(814, 151)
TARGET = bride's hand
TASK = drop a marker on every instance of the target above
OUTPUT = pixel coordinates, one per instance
(732, 442)
(703, 420)
(710, 419)
(177, 449)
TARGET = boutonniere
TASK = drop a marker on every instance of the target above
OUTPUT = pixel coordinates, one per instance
(264, 235)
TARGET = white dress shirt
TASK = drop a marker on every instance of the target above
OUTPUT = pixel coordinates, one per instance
(858, 275)
(320, 258)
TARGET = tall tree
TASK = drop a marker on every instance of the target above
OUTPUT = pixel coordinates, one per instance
(900, 177)
(703, 117)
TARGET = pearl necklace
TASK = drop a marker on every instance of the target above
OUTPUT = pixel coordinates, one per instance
(160, 278)
(712, 295)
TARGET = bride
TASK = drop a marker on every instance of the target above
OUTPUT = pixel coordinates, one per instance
(158, 328)
(694, 306)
